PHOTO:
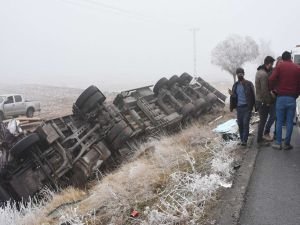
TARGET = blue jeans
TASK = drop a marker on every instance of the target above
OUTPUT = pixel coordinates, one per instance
(285, 111)
(243, 120)
(271, 119)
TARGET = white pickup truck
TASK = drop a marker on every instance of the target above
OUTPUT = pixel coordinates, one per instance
(12, 105)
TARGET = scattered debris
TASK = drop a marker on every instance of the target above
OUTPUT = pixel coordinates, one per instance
(215, 120)
(134, 213)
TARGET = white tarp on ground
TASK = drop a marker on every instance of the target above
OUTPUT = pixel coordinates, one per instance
(229, 127)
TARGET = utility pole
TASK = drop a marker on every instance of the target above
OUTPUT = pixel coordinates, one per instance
(194, 30)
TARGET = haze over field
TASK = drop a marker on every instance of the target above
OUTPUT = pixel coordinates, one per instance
(123, 44)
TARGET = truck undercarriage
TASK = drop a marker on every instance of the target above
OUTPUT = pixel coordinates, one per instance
(68, 150)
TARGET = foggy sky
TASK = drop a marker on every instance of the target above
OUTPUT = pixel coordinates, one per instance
(120, 44)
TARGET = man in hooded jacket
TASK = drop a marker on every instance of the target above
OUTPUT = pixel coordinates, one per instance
(264, 98)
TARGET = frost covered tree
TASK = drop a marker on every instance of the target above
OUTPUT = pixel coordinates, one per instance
(264, 50)
(234, 52)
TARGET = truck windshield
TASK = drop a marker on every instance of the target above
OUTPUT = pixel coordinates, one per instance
(297, 59)
(2, 98)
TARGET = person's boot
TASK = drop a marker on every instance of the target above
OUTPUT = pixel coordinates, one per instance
(276, 146)
(263, 143)
(244, 144)
(267, 137)
(288, 147)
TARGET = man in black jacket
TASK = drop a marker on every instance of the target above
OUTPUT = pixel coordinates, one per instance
(242, 98)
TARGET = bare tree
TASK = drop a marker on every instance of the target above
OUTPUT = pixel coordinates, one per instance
(234, 52)
(264, 50)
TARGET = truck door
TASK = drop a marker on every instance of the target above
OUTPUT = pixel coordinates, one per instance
(9, 106)
(20, 105)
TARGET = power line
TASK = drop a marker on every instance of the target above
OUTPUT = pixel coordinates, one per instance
(126, 12)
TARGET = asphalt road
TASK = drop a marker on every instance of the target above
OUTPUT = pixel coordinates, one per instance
(273, 197)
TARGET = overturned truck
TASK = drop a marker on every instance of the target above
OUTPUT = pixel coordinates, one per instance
(68, 150)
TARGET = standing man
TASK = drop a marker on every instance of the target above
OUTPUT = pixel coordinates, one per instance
(242, 98)
(272, 113)
(264, 99)
(285, 79)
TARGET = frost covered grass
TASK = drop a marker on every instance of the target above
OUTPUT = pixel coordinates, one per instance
(168, 181)
(35, 210)
(24, 213)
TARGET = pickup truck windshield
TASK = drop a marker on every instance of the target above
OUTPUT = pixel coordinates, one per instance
(2, 98)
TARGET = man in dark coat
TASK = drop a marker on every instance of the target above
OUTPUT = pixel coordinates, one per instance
(242, 98)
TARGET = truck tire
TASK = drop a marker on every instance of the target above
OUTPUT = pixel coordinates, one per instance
(162, 82)
(115, 131)
(4, 195)
(21, 146)
(185, 79)
(122, 138)
(1, 116)
(78, 178)
(174, 79)
(86, 94)
(200, 107)
(187, 109)
(30, 112)
(211, 98)
(92, 102)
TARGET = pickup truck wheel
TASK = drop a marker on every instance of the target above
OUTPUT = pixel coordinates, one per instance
(1, 116)
(86, 94)
(162, 82)
(174, 79)
(30, 112)
(122, 138)
(21, 146)
(185, 79)
(92, 101)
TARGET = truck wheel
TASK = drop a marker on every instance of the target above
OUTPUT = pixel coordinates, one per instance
(30, 112)
(86, 94)
(21, 146)
(187, 109)
(1, 116)
(78, 178)
(200, 107)
(174, 79)
(116, 130)
(162, 82)
(211, 98)
(122, 138)
(185, 79)
(4, 195)
(92, 102)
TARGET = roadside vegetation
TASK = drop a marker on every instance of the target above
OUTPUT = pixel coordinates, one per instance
(168, 181)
